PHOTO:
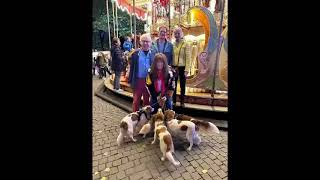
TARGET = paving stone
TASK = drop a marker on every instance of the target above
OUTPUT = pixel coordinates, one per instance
(221, 173)
(195, 175)
(186, 175)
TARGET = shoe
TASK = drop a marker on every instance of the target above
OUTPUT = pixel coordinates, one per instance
(104, 78)
(119, 90)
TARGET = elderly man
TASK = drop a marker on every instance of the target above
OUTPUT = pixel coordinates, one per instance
(181, 63)
(162, 45)
(140, 63)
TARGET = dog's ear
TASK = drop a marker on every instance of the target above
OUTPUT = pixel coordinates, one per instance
(124, 125)
(169, 114)
(134, 117)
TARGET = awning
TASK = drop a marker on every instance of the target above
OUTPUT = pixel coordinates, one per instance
(127, 5)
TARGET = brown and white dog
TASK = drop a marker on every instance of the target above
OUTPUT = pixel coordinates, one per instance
(188, 126)
(161, 132)
(132, 123)
(200, 124)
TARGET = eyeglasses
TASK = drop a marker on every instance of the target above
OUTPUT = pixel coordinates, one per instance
(145, 41)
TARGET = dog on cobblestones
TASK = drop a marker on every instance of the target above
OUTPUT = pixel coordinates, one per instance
(132, 123)
(181, 125)
(200, 124)
(161, 133)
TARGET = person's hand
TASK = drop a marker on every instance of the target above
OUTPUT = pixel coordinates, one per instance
(161, 101)
(170, 93)
(186, 73)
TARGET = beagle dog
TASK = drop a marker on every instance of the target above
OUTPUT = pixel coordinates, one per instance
(161, 133)
(132, 123)
(182, 124)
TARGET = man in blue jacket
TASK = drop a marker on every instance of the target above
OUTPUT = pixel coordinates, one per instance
(163, 45)
(140, 63)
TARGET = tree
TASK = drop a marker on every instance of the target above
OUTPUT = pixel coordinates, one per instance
(100, 22)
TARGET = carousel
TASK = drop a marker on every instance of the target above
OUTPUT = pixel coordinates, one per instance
(204, 23)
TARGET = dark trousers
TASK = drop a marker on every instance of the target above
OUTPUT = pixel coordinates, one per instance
(94, 70)
(182, 77)
(103, 71)
(116, 82)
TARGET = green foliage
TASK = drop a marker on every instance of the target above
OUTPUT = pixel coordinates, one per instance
(100, 22)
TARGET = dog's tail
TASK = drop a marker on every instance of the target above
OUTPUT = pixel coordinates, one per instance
(171, 159)
(124, 125)
(206, 126)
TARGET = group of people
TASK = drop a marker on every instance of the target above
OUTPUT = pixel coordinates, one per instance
(156, 67)
(100, 62)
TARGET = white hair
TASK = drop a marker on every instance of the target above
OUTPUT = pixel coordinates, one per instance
(145, 36)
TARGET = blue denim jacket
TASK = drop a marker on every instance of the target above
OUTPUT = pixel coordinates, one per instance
(168, 50)
(134, 67)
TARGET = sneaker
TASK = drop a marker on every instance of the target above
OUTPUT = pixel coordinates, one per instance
(119, 90)
(104, 78)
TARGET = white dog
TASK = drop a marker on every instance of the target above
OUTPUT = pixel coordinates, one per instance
(132, 123)
(181, 125)
(188, 126)
(166, 144)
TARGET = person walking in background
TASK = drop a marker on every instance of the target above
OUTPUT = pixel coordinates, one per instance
(127, 45)
(140, 62)
(117, 62)
(102, 65)
(181, 63)
(160, 82)
(162, 45)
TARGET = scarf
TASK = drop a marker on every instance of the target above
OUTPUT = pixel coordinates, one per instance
(159, 83)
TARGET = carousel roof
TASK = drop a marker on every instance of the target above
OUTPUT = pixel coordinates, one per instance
(140, 10)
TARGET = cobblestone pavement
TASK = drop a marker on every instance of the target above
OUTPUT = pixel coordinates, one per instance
(141, 160)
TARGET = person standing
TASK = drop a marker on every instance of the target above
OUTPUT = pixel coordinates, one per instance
(162, 45)
(160, 82)
(117, 62)
(181, 63)
(102, 65)
(127, 45)
(140, 62)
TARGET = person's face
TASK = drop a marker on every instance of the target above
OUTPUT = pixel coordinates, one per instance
(162, 33)
(119, 42)
(178, 34)
(159, 65)
(145, 44)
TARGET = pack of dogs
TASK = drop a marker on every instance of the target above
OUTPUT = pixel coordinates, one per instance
(164, 126)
